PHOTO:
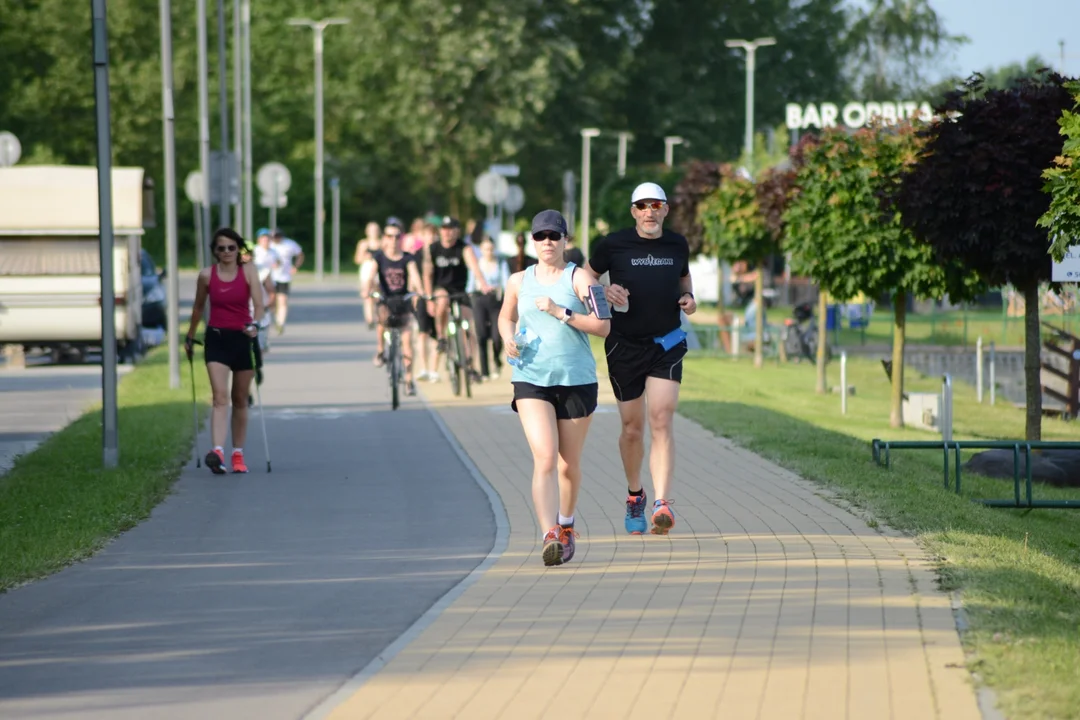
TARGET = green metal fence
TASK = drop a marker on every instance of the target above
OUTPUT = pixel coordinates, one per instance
(880, 451)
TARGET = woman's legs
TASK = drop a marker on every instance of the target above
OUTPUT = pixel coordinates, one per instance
(482, 319)
(542, 432)
(241, 388)
(219, 414)
(571, 443)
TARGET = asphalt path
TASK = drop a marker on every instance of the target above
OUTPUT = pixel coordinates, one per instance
(259, 595)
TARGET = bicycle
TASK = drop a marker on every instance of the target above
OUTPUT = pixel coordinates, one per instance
(457, 366)
(395, 360)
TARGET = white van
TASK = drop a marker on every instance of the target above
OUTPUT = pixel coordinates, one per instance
(50, 270)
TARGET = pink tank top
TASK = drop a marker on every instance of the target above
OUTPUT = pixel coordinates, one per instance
(230, 302)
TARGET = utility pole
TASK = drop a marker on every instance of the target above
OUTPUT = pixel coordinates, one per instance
(238, 128)
(248, 193)
(223, 102)
(586, 135)
(623, 138)
(204, 128)
(320, 206)
(751, 53)
(172, 281)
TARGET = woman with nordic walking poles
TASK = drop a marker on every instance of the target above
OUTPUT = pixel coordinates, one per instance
(545, 325)
(236, 306)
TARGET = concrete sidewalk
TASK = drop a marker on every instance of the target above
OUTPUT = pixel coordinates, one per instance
(766, 601)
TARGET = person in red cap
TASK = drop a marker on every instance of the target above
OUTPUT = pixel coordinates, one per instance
(649, 283)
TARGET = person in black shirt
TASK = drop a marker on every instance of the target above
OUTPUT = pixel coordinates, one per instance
(397, 275)
(649, 283)
(447, 264)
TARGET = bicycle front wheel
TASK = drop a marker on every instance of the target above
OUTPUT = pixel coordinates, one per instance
(395, 370)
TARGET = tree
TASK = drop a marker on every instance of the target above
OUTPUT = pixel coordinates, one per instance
(1062, 219)
(891, 41)
(734, 229)
(976, 194)
(839, 234)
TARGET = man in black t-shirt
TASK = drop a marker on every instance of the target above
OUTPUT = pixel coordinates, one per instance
(649, 283)
(397, 275)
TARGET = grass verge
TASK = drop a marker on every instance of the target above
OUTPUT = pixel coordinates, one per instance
(59, 505)
(1019, 571)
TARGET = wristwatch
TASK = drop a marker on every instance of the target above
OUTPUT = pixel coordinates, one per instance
(567, 314)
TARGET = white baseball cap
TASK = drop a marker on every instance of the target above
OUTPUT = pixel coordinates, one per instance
(648, 191)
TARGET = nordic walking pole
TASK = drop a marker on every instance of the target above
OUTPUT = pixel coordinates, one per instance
(194, 405)
(258, 396)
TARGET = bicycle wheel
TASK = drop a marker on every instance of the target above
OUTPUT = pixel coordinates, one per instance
(395, 368)
(453, 360)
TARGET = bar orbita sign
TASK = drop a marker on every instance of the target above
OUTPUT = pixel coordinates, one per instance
(853, 114)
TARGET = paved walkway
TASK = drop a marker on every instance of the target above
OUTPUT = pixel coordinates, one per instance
(767, 601)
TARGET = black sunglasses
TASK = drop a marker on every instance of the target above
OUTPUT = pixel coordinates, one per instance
(392, 236)
(226, 248)
(547, 235)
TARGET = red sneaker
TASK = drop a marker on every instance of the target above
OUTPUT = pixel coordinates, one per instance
(238, 465)
(215, 460)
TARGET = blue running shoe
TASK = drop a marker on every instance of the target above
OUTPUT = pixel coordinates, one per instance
(635, 514)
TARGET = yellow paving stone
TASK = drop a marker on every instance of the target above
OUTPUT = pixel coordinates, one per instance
(766, 601)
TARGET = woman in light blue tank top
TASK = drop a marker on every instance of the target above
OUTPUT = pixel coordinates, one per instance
(545, 327)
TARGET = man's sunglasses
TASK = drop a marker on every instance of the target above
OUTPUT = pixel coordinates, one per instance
(654, 205)
(547, 235)
(226, 248)
(392, 236)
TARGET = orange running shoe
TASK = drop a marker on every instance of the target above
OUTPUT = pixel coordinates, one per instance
(568, 538)
(215, 460)
(553, 548)
(238, 465)
(662, 517)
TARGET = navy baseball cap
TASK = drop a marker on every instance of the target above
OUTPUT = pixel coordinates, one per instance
(549, 220)
(450, 222)
(395, 221)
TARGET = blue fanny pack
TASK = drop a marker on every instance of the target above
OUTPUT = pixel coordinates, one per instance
(670, 340)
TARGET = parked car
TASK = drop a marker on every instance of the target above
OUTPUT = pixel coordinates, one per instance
(153, 292)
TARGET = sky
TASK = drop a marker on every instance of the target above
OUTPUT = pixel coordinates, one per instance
(1007, 31)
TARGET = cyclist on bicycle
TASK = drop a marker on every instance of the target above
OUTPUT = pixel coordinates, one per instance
(397, 275)
(447, 265)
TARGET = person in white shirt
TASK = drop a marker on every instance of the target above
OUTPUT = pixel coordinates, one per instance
(289, 259)
(265, 258)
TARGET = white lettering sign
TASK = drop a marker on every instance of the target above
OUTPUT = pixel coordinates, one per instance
(853, 114)
(1068, 270)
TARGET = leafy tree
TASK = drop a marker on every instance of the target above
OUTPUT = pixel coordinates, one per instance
(1063, 183)
(840, 236)
(734, 229)
(892, 41)
(976, 194)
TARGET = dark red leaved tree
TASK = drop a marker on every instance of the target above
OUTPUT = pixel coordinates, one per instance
(701, 179)
(976, 193)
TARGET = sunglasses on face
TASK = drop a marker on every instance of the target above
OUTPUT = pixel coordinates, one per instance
(226, 248)
(393, 236)
(654, 205)
(547, 235)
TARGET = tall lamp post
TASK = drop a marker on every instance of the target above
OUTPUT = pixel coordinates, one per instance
(621, 166)
(586, 136)
(669, 149)
(172, 281)
(320, 210)
(750, 46)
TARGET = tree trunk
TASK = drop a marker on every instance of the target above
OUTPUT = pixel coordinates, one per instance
(822, 342)
(896, 403)
(1032, 363)
(759, 318)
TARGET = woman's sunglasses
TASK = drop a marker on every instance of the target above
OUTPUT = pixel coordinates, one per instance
(654, 205)
(226, 248)
(547, 235)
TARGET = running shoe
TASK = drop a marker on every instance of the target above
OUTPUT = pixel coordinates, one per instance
(238, 465)
(441, 346)
(553, 548)
(567, 536)
(410, 389)
(662, 517)
(215, 460)
(635, 515)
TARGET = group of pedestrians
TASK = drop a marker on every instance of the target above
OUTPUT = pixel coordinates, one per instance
(544, 324)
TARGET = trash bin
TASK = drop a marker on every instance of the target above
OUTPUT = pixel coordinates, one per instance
(832, 317)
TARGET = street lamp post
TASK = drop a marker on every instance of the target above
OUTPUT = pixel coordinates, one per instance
(623, 138)
(238, 112)
(172, 282)
(750, 47)
(320, 210)
(204, 129)
(586, 135)
(249, 198)
(669, 148)
(224, 207)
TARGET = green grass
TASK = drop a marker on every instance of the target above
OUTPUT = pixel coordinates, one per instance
(952, 329)
(59, 505)
(1019, 572)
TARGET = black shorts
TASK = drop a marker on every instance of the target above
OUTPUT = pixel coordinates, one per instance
(424, 321)
(630, 361)
(571, 401)
(231, 348)
(398, 311)
(282, 288)
(462, 298)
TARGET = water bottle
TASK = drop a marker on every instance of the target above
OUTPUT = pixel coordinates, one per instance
(522, 339)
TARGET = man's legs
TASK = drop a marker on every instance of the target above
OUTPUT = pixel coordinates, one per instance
(471, 346)
(407, 350)
(632, 440)
(282, 313)
(381, 315)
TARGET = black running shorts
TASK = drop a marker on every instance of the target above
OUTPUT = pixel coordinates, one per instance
(281, 287)
(570, 401)
(231, 348)
(396, 312)
(630, 361)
